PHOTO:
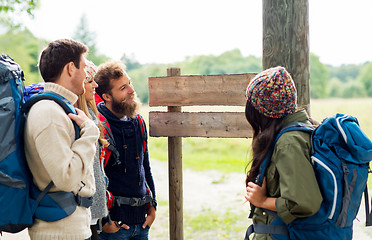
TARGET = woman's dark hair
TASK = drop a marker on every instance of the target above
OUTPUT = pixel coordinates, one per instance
(264, 131)
(57, 54)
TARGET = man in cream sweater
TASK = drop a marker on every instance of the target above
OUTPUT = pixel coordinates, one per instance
(52, 152)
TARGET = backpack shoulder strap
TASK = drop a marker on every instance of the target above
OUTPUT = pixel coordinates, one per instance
(108, 133)
(294, 126)
(111, 148)
(63, 102)
(143, 130)
(143, 126)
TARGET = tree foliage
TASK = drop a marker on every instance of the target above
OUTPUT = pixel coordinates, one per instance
(230, 62)
(353, 89)
(355, 80)
(24, 48)
(139, 78)
(335, 88)
(344, 72)
(84, 35)
(318, 78)
(130, 62)
(365, 78)
(10, 10)
(347, 81)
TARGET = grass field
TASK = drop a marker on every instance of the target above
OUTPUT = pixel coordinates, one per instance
(232, 155)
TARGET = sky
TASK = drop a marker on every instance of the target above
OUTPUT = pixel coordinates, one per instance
(167, 31)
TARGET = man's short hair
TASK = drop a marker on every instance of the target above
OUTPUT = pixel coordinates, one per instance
(106, 72)
(57, 54)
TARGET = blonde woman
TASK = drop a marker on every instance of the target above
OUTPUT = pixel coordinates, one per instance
(87, 103)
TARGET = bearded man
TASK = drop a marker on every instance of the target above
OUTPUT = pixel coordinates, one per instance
(130, 178)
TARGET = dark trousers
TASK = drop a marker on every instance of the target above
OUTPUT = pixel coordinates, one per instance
(93, 229)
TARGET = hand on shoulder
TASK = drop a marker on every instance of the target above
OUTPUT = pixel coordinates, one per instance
(79, 118)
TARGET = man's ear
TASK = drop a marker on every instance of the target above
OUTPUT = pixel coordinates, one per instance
(70, 67)
(106, 97)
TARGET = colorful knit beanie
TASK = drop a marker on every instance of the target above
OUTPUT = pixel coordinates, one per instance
(273, 93)
(91, 70)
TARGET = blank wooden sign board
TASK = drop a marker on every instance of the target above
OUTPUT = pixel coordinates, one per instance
(199, 90)
(175, 91)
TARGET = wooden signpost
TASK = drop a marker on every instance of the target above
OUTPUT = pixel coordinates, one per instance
(175, 91)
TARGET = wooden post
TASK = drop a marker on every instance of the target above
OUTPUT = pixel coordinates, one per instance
(286, 42)
(175, 176)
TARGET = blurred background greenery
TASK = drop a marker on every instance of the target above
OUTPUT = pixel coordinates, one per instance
(326, 81)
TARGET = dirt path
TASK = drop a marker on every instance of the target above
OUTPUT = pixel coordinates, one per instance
(205, 190)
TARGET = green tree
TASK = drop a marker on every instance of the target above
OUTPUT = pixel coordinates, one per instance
(365, 78)
(318, 78)
(335, 88)
(198, 65)
(230, 62)
(23, 47)
(353, 89)
(140, 77)
(10, 10)
(130, 62)
(84, 35)
(345, 72)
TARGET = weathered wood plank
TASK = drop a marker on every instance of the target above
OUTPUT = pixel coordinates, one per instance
(223, 90)
(199, 124)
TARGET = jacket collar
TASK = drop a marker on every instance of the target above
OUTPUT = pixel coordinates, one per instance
(299, 116)
(53, 87)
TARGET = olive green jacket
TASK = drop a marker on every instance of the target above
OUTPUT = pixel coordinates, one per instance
(290, 177)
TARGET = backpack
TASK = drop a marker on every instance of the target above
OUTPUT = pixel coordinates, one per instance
(31, 90)
(21, 201)
(36, 92)
(340, 156)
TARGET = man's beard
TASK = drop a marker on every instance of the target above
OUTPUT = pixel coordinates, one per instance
(125, 108)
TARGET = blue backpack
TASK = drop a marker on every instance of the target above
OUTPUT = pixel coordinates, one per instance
(20, 200)
(340, 156)
(33, 89)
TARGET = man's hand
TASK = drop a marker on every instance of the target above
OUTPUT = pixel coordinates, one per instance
(110, 228)
(151, 214)
(80, 118)
(114, 227)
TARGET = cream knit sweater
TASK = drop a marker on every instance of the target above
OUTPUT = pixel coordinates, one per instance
(53, 154)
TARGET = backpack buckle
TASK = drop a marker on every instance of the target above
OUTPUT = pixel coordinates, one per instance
(84, 201)
(134, 202)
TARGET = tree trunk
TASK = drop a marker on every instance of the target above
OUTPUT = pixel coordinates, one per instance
(286, 42)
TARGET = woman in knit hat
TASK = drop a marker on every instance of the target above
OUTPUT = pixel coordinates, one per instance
(86, 102)
(290, 188)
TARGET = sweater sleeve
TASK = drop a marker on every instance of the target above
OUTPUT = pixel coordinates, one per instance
(65, 160)
(299, 192)
(148, 174)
